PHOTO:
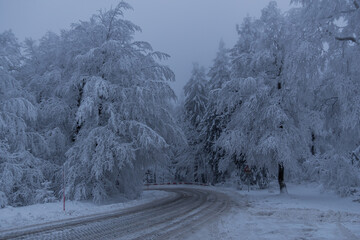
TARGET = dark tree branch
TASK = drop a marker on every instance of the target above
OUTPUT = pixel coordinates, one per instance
(352, 39)
(356, 4)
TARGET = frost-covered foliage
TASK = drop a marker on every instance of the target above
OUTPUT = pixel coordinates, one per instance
(10, 56)
(213, 122)
(96, 104)
(332, 74)
(20, 146)
(264, 127)
(122, 121)
(45, 195)
(250, 119)
(3, 200)
(196, 91)
(196, 100)
(113, 98)
(290, 97)
(219, 73)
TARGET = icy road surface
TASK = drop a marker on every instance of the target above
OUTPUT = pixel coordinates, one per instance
(173, 217)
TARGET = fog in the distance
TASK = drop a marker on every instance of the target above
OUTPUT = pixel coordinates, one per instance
(188, 30)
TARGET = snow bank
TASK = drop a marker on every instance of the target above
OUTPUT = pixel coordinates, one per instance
(12, 217)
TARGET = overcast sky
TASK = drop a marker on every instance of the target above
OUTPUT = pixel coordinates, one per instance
(188, 30)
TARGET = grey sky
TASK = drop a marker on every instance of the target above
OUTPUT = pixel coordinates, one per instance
(188, 30)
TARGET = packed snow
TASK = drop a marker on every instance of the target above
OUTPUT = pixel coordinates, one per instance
(15, 217)
(306, 212)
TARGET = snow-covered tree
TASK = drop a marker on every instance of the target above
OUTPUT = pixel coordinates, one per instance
(329, 41)
(213, 123)
(122, 124)
(241, 53)
(263, 129)
(196, 97)
(102, 105)
(46, 73)
(219, 73)
(20, 167)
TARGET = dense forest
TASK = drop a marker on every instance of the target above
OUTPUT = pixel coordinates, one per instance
(92, 107)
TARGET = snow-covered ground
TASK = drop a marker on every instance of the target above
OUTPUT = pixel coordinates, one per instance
(11, 217)
(305, 213)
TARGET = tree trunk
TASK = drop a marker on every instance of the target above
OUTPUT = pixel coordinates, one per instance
(196, 169)
(79, 125)
(313, 143)
(281, 179)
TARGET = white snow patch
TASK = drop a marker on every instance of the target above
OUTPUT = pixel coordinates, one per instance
(305, 213)
(14, 217)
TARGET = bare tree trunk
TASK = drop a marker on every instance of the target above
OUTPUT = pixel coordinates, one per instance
(313, 143)
(281, 179)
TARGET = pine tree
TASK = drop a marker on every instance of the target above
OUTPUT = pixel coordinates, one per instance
(219, 73)
(196, 97)
(213, 122)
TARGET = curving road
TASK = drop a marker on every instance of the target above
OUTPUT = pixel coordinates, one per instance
(172, 217)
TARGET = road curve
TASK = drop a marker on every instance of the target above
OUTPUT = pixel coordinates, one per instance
(172, 217)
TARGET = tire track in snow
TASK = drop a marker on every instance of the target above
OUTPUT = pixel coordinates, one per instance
(346, 232)
(168, 218)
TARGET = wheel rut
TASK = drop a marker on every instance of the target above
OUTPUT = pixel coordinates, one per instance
(168, 218)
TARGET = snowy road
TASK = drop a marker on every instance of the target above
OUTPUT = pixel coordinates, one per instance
(172, 217)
